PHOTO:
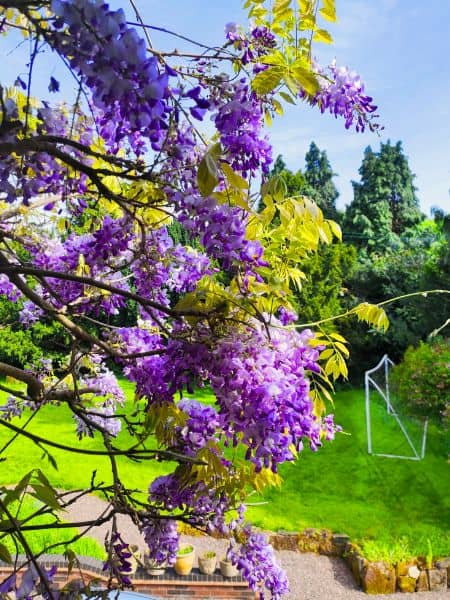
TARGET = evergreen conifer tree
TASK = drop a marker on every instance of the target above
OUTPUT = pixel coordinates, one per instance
(319, 179)
(385, 201)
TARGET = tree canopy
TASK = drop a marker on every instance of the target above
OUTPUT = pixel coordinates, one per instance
(385, 201)
(319, 178)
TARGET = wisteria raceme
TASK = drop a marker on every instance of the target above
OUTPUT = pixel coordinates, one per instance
(202, 425)
(127, 86)
(103, 253)
(204, 507)
(256, 561)
(286, 316)
(118, 562)
(254, 45)
(31, 584)
(261, 387)
(239, 121)
(221, 230)
(101, 413)
(7, 289)
(342, 94)
(162, 539)
(164, 267)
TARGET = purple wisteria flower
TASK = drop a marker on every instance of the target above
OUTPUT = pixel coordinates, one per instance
(239, 121)
(255, 559)
(162, 539)
(342, 94)
(128, 87)
(118, 562)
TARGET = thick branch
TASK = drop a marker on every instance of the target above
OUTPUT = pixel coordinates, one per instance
(34, 387)
(131, 452)
(56, 525)
(22, 147)
(8, 268)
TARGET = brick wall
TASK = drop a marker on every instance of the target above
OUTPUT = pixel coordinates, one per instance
(195, 586)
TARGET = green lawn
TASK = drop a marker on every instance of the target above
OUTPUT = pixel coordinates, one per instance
(343, 488)
(340, 487)
(74, 470)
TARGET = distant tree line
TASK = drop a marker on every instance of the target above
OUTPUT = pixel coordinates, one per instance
(389, 249)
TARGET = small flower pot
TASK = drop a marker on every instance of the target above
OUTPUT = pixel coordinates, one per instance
(207, 563)
(185, 560)
(135, 557)
(228, 569)
(152, 567)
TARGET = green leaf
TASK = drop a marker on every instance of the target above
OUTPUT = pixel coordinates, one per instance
(267, 81)
(46, 495)
(16, 492)
(46, 454)
(72, 559)
(276, 59)
(328, 11)
(287, 98)
(233, 178)
(207, 175)
(5, 556)
(321, 35)
(305, 78)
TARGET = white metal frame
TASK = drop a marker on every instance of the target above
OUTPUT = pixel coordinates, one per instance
(386, 362)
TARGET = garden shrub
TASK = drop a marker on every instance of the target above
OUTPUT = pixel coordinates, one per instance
(17, 348)
(422, 380)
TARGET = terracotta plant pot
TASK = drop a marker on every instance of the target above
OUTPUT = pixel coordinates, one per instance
(228, 569)
(207, 563)
(185, 560)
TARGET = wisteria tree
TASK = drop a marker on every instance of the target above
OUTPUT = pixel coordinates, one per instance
(89, 193)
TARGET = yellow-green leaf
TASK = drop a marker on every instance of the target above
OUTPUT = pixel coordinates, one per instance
(207, 175)
(287, 98)
(321, 35)
(267, 81)
(5, 555)
(233, 178)
(276, 59)
(328, 11)
(335, 228)
(305, 78)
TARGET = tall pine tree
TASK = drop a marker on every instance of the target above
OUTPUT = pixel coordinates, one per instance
(384, 202)
(319, 179)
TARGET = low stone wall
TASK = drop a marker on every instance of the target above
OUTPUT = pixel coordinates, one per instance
(372, 577)
(411, 576)
(195, 586)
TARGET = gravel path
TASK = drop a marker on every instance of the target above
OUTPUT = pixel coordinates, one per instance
(311, 577)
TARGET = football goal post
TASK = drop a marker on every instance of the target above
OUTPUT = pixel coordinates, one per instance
(377, 394)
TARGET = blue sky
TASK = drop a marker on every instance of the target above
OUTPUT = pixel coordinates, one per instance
(400, 47)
